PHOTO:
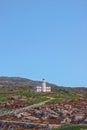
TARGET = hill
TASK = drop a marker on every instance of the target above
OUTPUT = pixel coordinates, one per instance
(11, 82)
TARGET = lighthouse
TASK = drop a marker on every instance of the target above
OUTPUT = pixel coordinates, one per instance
(43, 85)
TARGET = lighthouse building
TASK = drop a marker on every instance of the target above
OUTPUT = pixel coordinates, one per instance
(43, 87)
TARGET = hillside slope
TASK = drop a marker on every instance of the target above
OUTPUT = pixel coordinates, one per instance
(30, 84)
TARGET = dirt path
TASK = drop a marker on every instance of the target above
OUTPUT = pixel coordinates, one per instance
(31, 106)
(25, 108)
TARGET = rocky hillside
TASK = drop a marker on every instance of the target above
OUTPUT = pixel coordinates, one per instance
(17, 81)
(23, 82)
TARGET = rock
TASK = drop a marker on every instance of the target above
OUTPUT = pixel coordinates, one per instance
(67, 106)
(51, 116)
(68, 120)
(85, 120)
(31, 118)
(64, 121)
(6, 105)
(16, 115)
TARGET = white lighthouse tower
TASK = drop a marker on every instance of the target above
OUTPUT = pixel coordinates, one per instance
(43, 85)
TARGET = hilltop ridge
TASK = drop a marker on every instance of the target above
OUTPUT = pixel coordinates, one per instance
(6, 81)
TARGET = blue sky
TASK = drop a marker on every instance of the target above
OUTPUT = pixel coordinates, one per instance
(44, 39)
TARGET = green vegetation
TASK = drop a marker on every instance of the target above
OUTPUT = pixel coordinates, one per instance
(58, 96)
(3, 98)
(85, 95)
(39, 97)
(33, 97)
(28, 94)
(36, 100)
(72, 127)
(4, 110)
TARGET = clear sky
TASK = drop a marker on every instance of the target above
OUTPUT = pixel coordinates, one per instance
(44, 39)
